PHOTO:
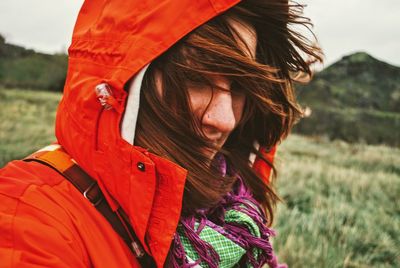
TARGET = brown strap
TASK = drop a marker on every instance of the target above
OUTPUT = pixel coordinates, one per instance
(61, 162)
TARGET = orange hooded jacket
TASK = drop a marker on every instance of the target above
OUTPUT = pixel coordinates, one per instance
(44, 220)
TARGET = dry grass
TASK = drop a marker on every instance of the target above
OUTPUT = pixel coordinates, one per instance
(341, 204)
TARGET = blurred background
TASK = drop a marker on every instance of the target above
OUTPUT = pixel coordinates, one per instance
(339, 173)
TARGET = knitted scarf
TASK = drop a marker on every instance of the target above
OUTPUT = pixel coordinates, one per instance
(232, 234)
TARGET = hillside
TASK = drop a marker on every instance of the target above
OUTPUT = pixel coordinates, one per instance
(354, 99)
(25, 68)
(357, 81)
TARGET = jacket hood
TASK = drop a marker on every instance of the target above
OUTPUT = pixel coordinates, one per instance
(112, 42)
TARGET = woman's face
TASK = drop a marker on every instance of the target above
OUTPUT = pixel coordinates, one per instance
(219, 109)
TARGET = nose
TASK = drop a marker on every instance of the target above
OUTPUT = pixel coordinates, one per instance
(219, 117)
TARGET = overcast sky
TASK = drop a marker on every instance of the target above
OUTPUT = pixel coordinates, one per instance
(342, 26)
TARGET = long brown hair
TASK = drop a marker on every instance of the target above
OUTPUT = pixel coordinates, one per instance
(167, 127)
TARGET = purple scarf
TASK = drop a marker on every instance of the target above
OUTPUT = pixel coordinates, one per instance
(258, 249)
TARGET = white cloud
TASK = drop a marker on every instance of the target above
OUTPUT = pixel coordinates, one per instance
(346, 26)
(45, 25)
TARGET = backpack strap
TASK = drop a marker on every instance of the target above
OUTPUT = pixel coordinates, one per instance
(56, 158)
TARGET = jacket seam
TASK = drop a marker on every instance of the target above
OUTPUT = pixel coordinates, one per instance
(86, 60)
(213, 6)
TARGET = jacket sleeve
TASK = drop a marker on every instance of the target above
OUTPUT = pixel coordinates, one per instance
(32, 238)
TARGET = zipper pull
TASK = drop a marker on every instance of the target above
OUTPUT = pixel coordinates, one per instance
(137, 249)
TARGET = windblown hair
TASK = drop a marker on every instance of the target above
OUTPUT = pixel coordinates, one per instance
(167, 127)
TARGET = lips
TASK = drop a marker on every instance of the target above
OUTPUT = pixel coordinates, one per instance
(211, 152)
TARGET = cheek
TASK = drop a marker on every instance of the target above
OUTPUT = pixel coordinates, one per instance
(238, 103)
(199, 100)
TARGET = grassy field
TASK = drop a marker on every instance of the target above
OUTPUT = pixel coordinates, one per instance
(341, 204)
(26, 122)
(341, 201)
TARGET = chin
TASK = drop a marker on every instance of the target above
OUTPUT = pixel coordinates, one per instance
(210, 154)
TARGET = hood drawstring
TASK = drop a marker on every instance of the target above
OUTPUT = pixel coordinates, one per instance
(106, 98)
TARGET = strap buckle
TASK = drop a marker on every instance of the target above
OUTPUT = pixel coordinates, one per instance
(85, 194)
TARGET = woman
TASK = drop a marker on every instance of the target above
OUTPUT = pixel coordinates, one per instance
(186, 172)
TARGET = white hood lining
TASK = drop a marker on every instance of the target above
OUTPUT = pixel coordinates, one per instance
(129, 120)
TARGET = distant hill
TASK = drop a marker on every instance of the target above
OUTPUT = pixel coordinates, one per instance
(25, 68)
(358, 81)
(355, 99)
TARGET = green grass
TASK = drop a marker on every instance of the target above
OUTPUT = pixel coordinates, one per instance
(341, 204)
(26, 122)
(341, 201)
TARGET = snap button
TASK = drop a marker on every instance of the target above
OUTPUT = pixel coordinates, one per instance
(141, 166)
